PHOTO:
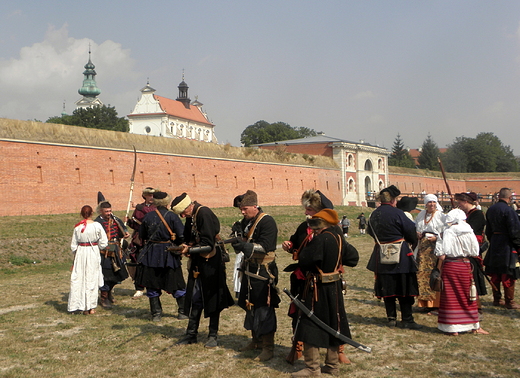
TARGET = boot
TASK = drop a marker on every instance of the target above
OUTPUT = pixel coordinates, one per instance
(104, 301)
(193, 327)
(497, 298)
(111, 297)
(267, 348)
(213, 331)
(253, 344)
(181, 312)
(407, 320)
(332, 361)
(343, 359)
(156, 308)
(311, 355)
(509, 294)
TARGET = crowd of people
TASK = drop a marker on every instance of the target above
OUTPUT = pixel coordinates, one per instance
(405, 253)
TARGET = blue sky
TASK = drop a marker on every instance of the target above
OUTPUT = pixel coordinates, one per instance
(358, 70)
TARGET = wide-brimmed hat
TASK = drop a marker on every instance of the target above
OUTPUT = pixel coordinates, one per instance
(407, 203)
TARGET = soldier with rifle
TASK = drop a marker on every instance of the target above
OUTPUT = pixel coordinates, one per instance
(258, 294)
(158, 268)
(207, 288)
(112, 264)
(321, 261)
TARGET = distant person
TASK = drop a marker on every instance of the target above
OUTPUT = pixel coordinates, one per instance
(86, 278)
(362, 223)
(345, 224)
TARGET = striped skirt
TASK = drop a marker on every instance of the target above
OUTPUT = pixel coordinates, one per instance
(456, 312)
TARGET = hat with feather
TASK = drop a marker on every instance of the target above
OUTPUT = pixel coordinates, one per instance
(316, 200)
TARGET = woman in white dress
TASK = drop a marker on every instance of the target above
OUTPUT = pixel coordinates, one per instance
(86, 278)
(430, 223)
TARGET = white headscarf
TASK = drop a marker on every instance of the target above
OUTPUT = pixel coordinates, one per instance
(430, 198)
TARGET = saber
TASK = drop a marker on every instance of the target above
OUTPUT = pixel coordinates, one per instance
(132, 179)
(324, 326)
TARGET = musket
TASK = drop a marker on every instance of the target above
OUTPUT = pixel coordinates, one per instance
(132, 180)
(310, 314)
(446, 182)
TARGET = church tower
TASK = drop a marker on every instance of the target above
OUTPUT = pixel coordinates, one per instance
(89, 90)
(183, 93)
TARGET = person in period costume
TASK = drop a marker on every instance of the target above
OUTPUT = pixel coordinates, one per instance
(258, 293)
(207, 289)
(467, 202)
(501, 260)
(386, 225)
(345, 224)
(362, 223)
(430, 223)
(407, 204)
(112, 264)
(160, 269)
(134, 223)
(312, 201)
(322, 260)
(458, 309)
(86, 278)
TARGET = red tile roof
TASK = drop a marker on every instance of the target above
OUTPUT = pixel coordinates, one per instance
(177, 109)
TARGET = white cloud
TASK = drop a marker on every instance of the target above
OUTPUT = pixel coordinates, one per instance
(48, 72)
(363, 95)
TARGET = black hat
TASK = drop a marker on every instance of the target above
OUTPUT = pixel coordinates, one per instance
(392, 190)
(407, 203)
(162, 199)
(316, 200)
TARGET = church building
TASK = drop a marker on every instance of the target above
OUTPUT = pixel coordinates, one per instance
(180, 118)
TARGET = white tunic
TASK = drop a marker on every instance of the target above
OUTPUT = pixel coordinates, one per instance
(434, 226)
(86, 277)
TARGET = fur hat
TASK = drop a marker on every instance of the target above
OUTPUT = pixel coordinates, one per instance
(180, 203)
(407, 203)
(392, 190)
(248, 199)
(316, 200)
(161, 199)
(147, 191)
(323, 218)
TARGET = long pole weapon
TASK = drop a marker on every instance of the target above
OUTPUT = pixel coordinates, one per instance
(132, 180)
(446, 182)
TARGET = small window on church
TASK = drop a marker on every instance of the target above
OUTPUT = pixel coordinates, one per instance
(147, 129)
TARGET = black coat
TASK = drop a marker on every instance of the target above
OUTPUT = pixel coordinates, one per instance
(212, 271)
(503, 233)
(322, 252)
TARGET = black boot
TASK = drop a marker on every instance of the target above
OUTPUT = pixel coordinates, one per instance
(406, 304)
(155, 308)
(193, 327)
(391, 311)
(181, 312)
(213, 331)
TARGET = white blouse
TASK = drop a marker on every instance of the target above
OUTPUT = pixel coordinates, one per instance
(458, 241)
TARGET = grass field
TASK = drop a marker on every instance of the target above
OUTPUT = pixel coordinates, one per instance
(40, 339)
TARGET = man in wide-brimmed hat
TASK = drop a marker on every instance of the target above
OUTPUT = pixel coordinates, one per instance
(207, 289)
(258, 295)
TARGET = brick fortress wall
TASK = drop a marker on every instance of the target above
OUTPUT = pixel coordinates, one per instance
(54, 179)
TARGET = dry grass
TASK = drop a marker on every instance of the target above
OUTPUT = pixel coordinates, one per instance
(54, 133)
(40, 338)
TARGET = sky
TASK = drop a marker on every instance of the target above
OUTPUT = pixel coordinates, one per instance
(356, 70)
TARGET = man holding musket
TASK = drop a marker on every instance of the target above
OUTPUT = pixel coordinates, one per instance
(112, 264)
(158, 268)
(258, 294)
(207, 288)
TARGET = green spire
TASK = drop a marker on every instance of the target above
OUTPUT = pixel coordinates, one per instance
(89, 88)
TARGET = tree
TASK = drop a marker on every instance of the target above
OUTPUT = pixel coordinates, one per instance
(484, 153)
(265, 132)
(429, 154)
(98, 117)
(400, 156)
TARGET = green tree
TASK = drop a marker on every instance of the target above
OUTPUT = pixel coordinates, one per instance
(429, 154)
(265, 132)
(400, 156)
(98, 117)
